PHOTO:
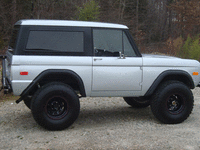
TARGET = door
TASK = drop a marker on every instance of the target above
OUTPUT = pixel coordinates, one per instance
(115, 64)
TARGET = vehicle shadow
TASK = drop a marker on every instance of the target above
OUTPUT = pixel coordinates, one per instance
(117, 115)
(88, 118)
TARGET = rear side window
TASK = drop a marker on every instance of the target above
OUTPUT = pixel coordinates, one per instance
(61, 41)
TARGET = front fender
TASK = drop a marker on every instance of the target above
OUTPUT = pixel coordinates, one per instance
(179, 75)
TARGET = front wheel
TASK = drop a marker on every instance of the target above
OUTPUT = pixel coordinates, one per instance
(172, 103)
(55, 106)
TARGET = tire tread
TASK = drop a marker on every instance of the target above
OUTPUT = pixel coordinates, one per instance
(155, 102)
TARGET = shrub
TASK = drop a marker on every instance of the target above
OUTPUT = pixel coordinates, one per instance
(174, 45)
(194, 52)
(178, 43)
(184, 50)
(89, 12)
(191, 48)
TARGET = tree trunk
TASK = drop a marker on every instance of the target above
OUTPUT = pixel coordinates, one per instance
(137, 19)
(14, 3)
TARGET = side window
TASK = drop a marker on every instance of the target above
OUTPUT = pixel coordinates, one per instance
(128, 49)
(60, 41)
(109, 42)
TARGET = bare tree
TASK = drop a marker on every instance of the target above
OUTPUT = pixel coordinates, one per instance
(187, 16)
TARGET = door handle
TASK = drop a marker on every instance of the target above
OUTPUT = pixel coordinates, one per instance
(95, 59)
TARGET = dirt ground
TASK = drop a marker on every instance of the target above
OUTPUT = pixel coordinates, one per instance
(103, 123)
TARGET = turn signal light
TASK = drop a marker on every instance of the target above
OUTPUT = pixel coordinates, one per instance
(23, 73)
(195, 73)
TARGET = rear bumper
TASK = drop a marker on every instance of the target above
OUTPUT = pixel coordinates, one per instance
(6, 84)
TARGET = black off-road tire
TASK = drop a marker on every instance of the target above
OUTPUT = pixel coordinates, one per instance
(172, 103)
(27, 102)
(55, 106)
(137, 102)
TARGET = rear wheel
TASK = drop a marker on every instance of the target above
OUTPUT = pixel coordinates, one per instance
(27, 102)
(172, 103)
(137, 102)
(55, 106)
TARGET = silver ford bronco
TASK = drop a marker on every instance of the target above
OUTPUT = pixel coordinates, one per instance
(50, 64)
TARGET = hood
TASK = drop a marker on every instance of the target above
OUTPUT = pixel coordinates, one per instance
(157, 56)
(167, 61)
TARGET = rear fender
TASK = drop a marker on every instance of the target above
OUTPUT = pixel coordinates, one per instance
(54, 72)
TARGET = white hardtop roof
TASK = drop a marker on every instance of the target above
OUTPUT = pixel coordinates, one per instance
(38, 22)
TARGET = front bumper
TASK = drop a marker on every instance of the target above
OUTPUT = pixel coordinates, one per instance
(6, 84)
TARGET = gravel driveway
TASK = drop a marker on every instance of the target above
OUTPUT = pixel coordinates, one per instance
(103, 123)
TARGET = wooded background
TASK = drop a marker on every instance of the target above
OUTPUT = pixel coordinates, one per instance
(165, 26)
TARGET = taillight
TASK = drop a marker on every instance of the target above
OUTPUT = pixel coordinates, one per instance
(24, 73)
